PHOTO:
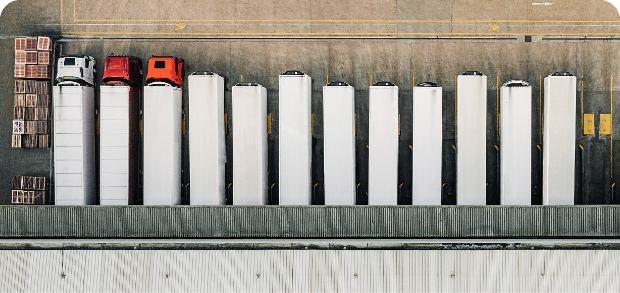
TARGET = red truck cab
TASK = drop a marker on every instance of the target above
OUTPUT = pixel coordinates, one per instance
(165, 69)
(124, 70)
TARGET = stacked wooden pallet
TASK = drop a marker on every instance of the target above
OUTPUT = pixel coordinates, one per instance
(29, 190)
(34, 58)
(31, 114)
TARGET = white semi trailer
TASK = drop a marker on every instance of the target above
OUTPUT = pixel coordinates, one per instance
(427, 144)
(559, 139)
(162, 144)
(162, 112)
(471, 138)
(73, 101)
(249, 118)
(516, 143)
(119, 144)
(207, 141)
(339, 143)
(295, 133)
(74, 144)
(383, 144)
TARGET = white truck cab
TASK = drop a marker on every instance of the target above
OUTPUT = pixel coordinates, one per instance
(78, 68)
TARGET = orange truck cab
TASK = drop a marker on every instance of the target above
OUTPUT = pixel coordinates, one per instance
(123, 70)
(165, 69)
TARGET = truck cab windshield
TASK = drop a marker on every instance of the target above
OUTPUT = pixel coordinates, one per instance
(69, 61)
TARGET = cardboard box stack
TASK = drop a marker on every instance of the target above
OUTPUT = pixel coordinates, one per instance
(34, 58)
(29, 190)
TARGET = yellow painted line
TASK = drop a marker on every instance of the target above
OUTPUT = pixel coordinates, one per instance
(611, 148)
(75, 19)
(268, 123)
(581, 147)
(345, 34)
(183, 125)
(490, 21)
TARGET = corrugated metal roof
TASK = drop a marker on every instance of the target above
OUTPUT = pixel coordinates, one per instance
(310, 271)
(309, 222)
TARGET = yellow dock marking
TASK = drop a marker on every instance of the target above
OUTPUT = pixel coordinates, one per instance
(179, 26)
(492, 32)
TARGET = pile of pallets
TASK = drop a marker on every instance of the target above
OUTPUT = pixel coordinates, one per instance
(29, 190)
(31, 114)
(34, 58)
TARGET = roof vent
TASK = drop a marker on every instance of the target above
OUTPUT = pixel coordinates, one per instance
(383, 83)
(471, 72)
(202, 73)
(561, 73)
(428, 84)
(337, 83)
(516, 83)
(293, 72)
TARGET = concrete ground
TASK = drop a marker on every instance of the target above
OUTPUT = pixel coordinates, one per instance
(405, 42)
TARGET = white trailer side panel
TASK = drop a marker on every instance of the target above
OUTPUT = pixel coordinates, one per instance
(427, 145)
(74, 145)
(383, 145)
(559, 140)
(516, 145)
(471, 140)
(162, 145)
(119, 132)
(295, 140)
(249, 120)
(207, 143)
(339, 144)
